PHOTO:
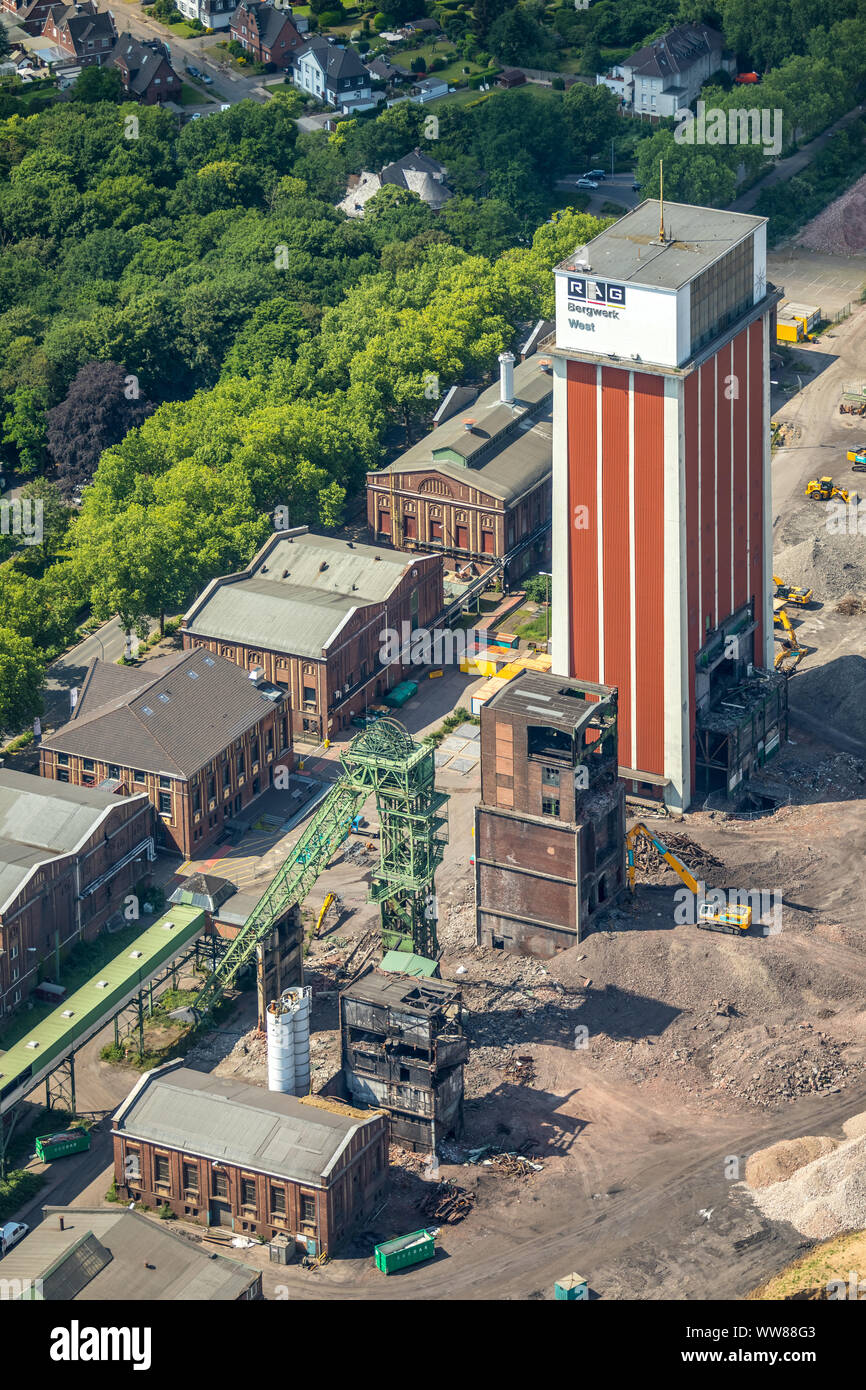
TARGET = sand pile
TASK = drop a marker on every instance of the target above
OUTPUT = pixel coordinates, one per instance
(838, 689)
(834, 566)
(781, 1160)
(841, 228)
(855, 1127)
(823, 1198)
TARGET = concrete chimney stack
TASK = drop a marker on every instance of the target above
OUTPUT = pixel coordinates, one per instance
(506, 378)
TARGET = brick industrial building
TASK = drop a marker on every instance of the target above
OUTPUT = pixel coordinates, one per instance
(478, 487)
(191, 731)
(309, 613)
(550, 827)
(68, 857)
(223, 1153)
(662, 580)
(403, 1049)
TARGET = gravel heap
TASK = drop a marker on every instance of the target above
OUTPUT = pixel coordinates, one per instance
(779, 1161)
(833, 566)
(824, 1198)
(840, 230)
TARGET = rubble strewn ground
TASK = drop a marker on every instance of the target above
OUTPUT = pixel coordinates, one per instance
(841, 228)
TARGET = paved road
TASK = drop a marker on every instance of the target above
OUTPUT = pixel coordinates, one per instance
(227, 86)
(616, 188)
(68, 670)
(787, 168)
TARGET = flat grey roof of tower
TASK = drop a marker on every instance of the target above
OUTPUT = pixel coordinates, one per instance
(695, 237)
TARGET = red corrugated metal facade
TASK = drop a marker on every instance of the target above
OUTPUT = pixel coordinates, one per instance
(722, 406)
(583, 545)
(616, 570)
(649, 563)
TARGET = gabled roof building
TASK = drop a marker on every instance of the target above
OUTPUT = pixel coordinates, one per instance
(416, 172)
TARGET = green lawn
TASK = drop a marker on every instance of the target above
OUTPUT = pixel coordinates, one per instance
(183, 30)
(192, 96)
(454, 73)
(463, 97)
(537, 630)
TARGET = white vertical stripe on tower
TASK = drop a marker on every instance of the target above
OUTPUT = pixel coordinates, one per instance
(767, 529)
(731, 404)
(675, 605)
(631, 566)
(747, 407)
(562, 526)
(599, 511)
(716, 487)
(700, 504)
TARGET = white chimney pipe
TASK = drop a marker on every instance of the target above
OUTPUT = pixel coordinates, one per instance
(506, 378)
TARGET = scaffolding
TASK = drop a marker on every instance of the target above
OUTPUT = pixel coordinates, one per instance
(383, 761)
(400, 773)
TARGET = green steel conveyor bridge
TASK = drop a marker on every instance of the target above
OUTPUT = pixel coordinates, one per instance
(383, 761)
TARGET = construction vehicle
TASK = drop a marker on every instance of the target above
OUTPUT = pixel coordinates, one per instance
(331, 901)
(822, 489)
(791, 593)
(733, 919)
(791, 651)
(857, 457)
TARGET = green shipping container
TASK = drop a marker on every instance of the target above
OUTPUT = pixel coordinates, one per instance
(400, 694)
(71, 1141)
(404, 1251)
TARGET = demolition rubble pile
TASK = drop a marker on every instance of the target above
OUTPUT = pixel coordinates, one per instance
(822, 1198)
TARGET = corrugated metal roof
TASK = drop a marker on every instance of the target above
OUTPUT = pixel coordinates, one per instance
(41, 819)
(224, 1119)
(405, 963)
(190, 709)
(297, 593)
(121, 1255)
(510, 449)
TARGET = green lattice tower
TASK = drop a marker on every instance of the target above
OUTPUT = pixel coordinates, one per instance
(400, 773)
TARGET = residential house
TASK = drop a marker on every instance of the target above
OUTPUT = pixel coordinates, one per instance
(213, 14)
(308, 612)
(416, 172)
(478, 487)
(428, 89)
(145, 70)
(86, 35)
(333, 75)
(194, 733)
(666, 75)
(68, 857)
(114, 1255)
(269, 35)
(420, 27)
(383, 71)
(222, 1153)
(30, 15)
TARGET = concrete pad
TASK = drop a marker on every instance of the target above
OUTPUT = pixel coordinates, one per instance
(468, 731)
(440, 758)
(463, 764)
(453, 745)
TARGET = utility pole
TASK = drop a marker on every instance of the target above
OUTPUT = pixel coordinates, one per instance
(612, 166)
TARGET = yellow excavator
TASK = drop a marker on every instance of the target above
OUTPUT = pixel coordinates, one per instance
(791, 650)
(733, 919)
(331, 901)
(790, 593)
(822, 489)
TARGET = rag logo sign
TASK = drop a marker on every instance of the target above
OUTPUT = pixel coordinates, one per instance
(596, 291)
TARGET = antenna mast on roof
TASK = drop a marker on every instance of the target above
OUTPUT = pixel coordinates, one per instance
(662, 201)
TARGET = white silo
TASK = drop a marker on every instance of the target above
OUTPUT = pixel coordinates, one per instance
(289, 1042)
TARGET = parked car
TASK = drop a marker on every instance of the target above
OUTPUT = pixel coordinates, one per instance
(11, 1233)
(193, 71)
(636, 187)
(205, 78)
(586, 183)
(595, 174)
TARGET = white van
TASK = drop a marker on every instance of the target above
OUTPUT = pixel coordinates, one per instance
(10, 1234)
